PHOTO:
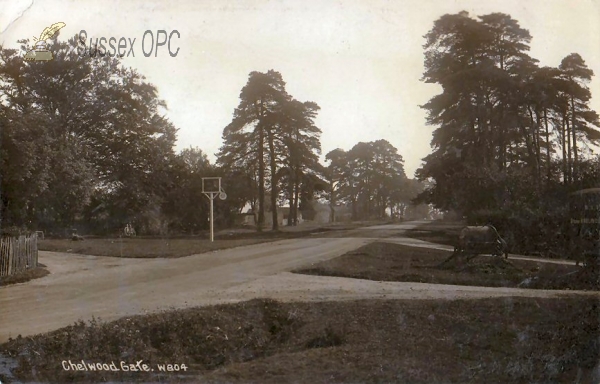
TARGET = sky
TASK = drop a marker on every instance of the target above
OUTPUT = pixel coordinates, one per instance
(361, 61)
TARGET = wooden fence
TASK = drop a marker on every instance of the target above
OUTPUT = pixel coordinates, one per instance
(18, 254)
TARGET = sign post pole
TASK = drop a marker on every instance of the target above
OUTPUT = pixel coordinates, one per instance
(212, 234)
(211, 187)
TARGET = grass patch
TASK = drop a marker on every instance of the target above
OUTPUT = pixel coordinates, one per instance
(582, 279)
(328, 338)
(393, 262)
(30, 274)
(180, 246)
(367, 341)
(143, 247)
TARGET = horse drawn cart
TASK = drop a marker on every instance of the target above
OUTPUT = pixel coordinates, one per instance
(474, 241)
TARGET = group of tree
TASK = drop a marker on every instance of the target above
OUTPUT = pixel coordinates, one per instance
(85, 140)
(85, 143)
(511, 136)
(370, 178)
(272, 147)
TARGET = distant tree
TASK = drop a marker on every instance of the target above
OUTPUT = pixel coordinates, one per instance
(367, 177)
(311, 185)
(337, 171)
(388, 175)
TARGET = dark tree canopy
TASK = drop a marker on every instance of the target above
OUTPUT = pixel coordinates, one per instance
(77, 133)
(500, 116)
(273, 141)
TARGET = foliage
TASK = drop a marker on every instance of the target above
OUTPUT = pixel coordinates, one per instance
(85, 145)
(77, 132)
(271, 142)
(500, 117)
(371, 178)
(512, 139)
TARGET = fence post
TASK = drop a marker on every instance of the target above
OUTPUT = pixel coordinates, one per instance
(3, 256)
(35, 251)
(10, 254)
(28, 252)
(19, 254)
(6, 250)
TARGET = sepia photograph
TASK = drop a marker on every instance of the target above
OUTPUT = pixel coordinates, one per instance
(299, 191)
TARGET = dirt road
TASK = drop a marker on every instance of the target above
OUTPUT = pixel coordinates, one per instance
(80, 287)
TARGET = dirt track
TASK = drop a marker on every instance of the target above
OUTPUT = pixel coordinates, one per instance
(80, 286)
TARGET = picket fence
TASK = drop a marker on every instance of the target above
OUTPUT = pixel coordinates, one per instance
(18, 254)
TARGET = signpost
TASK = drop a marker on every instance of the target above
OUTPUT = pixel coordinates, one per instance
(211, 187)
(585, 220)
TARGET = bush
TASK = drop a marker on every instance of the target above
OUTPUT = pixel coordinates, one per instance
(328, 338)
(15, 231)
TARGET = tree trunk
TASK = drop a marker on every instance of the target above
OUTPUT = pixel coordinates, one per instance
(296, 200)
(290, 220)
(261, 180)
(331, 200)
(274, 192)
(564, 152)
(502, 140)
(530, 151)
(574, 133)
(368, 202)
(548, 145)
(538, 150)
(569, 156)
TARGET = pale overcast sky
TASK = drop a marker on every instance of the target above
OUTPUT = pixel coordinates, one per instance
(360, 60)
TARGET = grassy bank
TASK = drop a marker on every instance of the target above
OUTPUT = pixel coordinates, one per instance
(30, 274)
(466, 341)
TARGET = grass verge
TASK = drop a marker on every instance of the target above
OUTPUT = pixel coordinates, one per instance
(30, 274)
(367, 341)
(143, 248)
(393, 262)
